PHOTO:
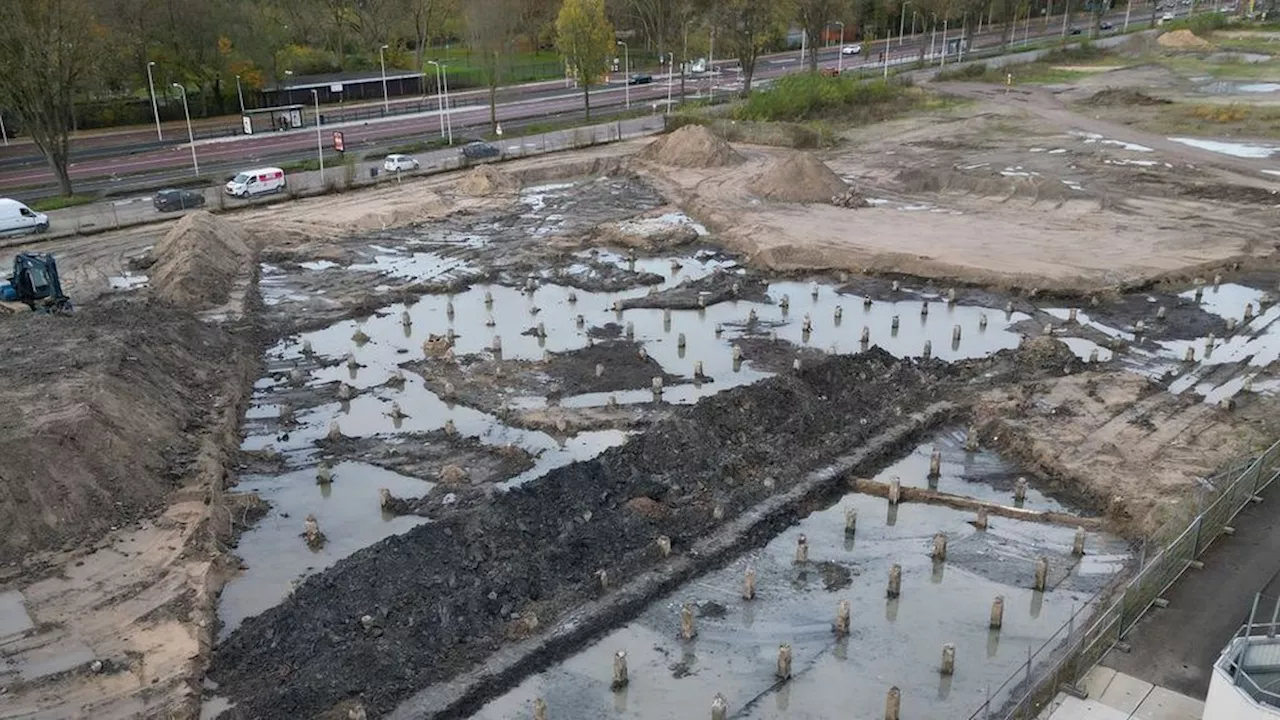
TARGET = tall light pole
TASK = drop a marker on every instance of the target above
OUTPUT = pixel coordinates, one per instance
(840, 55)
(902, 22)
(190, 135)
(671, 71)
(288, 87)
(382, 60)
(155, 109)
(711, 68)
(3, 132)
(1127, 7)
(626, 71)
(933, 38)
(439, 94)
(444, 98)
(240, 94)
(943, 63)
(1066, 13)
(315, 94)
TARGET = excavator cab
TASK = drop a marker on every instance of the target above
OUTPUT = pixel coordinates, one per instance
(35, 283)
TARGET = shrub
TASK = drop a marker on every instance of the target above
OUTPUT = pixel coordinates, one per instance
(808, 96)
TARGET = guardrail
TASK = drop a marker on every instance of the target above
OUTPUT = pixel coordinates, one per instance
(1077, 646)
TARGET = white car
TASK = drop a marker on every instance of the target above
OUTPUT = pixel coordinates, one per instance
(851, 50)
(399, 163)
(1167, 17)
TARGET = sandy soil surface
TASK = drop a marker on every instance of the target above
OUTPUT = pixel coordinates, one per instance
(966, 197)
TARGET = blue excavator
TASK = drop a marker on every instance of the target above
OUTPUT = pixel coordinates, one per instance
(35, 283)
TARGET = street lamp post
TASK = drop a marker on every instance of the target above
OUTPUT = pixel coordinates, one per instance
(671, 71)
(155, 109)
(186, 110)
(902, 22)
(1127, 7)
(626, 71)
(943, 63)
(439, 94)
(840, 54)
(3, 132)
(240, 94)
(382, 60)
(288, 87)
(315, 94)
(933, 38)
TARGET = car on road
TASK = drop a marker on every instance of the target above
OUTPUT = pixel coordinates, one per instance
(256, 182)
(479, 150)
(1076, 31)
(1167, 17)
(639, 79)
(399, 163)
(851, 50)
(1106, 26)
(172, 199)
(16, 218)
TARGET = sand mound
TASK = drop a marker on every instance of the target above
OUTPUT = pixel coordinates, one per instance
(692, 146)
(198, 262)
(1183, 40)
(487, 180)
(799, 177)
(1113, 97)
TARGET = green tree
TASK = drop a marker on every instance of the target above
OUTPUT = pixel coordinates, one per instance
(47, 50)
(586, 40)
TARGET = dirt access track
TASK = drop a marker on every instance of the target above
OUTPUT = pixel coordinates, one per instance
(125, 419)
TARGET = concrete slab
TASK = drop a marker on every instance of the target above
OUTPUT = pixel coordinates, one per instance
(1077, 709)
(1125, 693)
(13, 615)
(1164, 704)
(1096, 681)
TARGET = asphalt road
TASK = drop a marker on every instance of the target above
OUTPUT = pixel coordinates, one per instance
(221, 156)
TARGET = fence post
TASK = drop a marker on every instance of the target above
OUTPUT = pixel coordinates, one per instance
(1196, 548)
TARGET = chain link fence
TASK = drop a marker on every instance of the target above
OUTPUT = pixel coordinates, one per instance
(1108, 617)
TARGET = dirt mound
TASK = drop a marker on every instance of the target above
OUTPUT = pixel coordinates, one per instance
(799, 177)
(1183, 40)
(104, 411)
(1114, 97)
(691, 146)
(487, 180)
(198, 262)
(1045, 352)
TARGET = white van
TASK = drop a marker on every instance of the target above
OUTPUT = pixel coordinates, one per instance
(256, 182)
(16, 218)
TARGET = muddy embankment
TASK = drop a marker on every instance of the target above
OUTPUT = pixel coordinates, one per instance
(421, 608)
(107, 409)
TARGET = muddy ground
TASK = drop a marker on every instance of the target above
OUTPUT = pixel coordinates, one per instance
(540, 547)
(122, 431)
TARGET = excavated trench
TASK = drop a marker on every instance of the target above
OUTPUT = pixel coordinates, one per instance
(510, 413)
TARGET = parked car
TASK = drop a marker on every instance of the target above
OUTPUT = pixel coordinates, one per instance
(256, 182)
(478, 150)
(639, 79)
(171, 199)
(851, 50)
(399, 163)
(16, 218)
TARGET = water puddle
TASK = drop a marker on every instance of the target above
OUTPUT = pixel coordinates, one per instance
(347, 511)
(1241, 150)
(892, 641)
(128, 281)
(1089, 138)
(14, 619)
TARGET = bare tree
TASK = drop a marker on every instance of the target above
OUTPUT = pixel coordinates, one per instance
(813, 16)
(746, 26)
(491, 24)
(47, 50)
(426, 19)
